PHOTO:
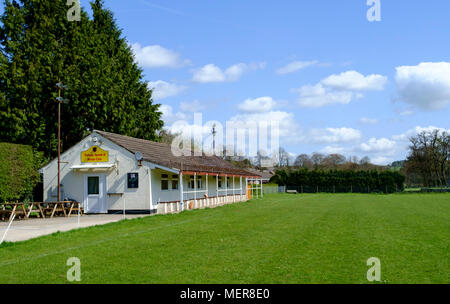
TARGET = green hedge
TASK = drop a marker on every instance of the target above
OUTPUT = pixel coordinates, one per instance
(19, 166)
(340, 180)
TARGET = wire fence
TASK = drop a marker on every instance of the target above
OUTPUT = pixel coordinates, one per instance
(274, 189)
(341, 189)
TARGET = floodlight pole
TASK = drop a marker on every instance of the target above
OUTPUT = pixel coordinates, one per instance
(59, 144)
(60, 100)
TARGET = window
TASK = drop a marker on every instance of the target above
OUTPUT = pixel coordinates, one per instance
(191, 184)
(164, 182)
(199, 182)
(219, 182)
(93, 185)
(174, 184)
(228, 182)
(133, 180)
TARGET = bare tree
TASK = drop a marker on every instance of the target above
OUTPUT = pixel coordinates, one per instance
(304, 161)
(429, 157)
(283, 157)
(332, 161)
(317, 159)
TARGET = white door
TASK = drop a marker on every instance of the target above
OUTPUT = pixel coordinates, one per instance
(94, 193)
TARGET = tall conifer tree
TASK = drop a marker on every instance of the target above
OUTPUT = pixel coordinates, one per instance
(106, 89)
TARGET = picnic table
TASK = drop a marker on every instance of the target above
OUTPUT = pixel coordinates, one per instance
(43, 210)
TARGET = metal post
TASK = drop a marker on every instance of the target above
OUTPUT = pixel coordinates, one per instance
(181, 191)
(246, 187)
(124, 206)
(261, 188)
(233, 189)
(149, 172)
(226, 188)
(207, 192)
(59, 146)
(195, 189)
(240, 186)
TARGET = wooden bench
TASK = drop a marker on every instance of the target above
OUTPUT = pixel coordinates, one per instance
(292, 191)
(5, 214)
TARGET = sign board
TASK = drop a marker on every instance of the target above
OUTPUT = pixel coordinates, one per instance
(94, 155)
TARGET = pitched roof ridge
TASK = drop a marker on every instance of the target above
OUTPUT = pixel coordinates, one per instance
(132, 138)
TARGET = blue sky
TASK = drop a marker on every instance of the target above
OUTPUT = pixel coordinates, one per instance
(336, 82)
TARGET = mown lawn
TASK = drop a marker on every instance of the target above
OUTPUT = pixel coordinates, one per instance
(315, 238)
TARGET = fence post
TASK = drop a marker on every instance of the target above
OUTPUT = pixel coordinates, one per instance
(351, 188)
(317, 189)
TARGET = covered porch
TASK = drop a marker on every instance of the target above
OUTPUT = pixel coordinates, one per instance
(199, 190)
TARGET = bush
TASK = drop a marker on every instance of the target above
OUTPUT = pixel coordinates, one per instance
(340, 180)
(19, 174)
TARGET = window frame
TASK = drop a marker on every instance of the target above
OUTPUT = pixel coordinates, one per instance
(130, 184)
(164, 178)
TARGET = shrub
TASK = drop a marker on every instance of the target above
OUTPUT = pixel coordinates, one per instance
(19, 174)
(341, 180)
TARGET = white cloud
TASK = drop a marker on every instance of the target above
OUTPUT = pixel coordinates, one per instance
(426, 85)
(369, 121)
(381, 160)
(406, 113)
(257, 105)
(208, 73)
(334, 135)
(285, 121)
(295, 66)
(212, 73)
(417, 130)
(354, 81)
(339, 89)
(162, 89)
(378, 145)
(168, 116)
(192, 106)
(156, 56)
(318, 96)
(333, 150)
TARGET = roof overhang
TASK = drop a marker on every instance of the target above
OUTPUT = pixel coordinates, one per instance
(93, 167)
(219, 174)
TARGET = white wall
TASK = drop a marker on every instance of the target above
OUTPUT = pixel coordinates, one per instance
(116, 179)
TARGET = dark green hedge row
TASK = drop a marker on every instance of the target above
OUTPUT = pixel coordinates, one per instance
(19, 166)
(340, 180)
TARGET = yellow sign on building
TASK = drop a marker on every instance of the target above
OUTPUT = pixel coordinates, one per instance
(94, 155)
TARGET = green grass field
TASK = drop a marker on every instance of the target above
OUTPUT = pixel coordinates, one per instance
(316, 238)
